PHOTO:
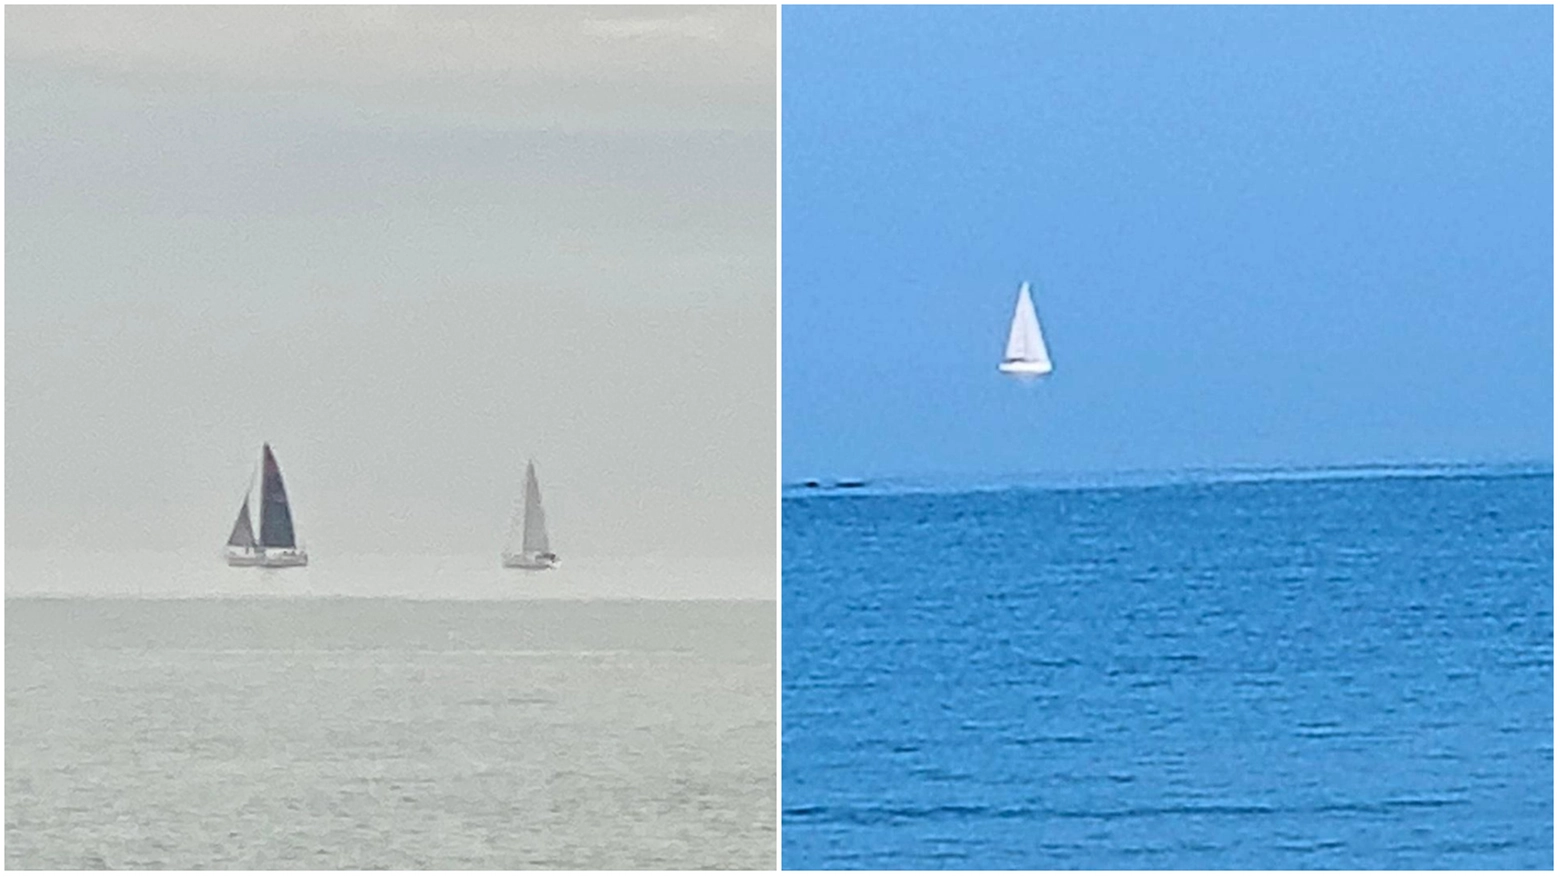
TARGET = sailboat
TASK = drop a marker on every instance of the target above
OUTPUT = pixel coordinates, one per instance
(527, 547)
(1026, 357)
(278, 545)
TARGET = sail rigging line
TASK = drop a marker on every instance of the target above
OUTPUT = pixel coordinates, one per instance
(513, 542)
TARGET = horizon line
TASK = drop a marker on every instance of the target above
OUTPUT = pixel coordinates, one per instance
(1143, 476)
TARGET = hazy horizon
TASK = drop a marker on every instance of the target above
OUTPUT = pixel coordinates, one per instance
(409, 247)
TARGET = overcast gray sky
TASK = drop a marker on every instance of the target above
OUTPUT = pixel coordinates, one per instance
(407, 246)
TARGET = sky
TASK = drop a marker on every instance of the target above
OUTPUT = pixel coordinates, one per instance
(408, 246)
(1258, 236)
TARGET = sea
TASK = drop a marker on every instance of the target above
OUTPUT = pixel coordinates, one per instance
(1284, 669)
(272, 728)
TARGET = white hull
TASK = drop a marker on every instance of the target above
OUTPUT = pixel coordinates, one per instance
(277, 559)
(529, 562)
(1025, 369)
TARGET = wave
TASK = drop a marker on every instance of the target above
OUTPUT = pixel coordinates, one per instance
(878, 815)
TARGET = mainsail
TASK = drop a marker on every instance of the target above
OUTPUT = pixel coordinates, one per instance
(528, 525)
(243, 535)
(276, 525)
(1026, 353)
(535, 538)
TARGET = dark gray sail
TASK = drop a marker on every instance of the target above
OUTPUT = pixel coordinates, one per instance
(243, 535)
(276, 526)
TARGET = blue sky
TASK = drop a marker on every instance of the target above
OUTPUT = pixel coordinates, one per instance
(1258, 236)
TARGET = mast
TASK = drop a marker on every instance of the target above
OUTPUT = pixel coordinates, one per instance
(276, 525)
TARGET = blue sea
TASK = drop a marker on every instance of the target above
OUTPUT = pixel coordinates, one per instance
(1346, 669)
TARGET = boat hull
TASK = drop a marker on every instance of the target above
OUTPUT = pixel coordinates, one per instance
(531, 563)
(1022, 369)
(269, 560)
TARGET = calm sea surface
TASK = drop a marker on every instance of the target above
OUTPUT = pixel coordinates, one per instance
(379, 733)
(1349, 672)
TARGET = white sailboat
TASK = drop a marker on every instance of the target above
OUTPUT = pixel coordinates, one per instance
(278, 545)
(527, 547)
(1026, 356)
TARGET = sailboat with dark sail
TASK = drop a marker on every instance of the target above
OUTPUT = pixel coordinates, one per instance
(528, 547)
(278, 544)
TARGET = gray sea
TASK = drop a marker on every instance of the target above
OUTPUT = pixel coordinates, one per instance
(271, 733)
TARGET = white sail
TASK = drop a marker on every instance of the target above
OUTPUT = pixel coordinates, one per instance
(527, 546)
(1026, 353)
(535, 538)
